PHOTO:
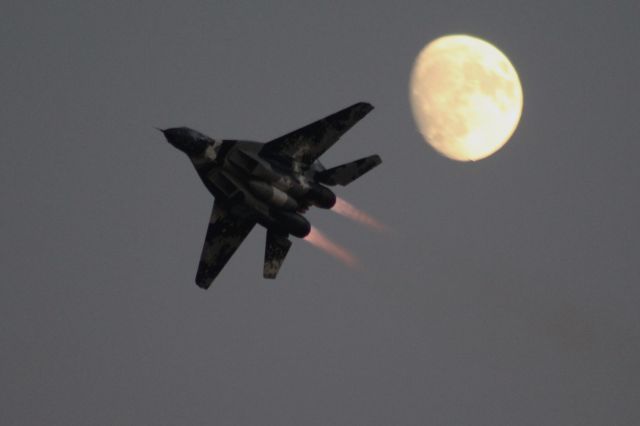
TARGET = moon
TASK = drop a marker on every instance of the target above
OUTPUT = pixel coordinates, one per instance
(466, 97)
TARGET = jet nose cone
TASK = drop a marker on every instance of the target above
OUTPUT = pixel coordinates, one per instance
(173, 133)
(177, 136)
(184, 139)
(173, 136)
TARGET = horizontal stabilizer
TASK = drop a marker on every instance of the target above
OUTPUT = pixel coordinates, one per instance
(347, 173)
(277, 247)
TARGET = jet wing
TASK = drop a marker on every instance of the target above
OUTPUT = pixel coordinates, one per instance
(306, 144)
(225, 233)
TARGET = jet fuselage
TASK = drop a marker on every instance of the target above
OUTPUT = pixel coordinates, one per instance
(271, 190)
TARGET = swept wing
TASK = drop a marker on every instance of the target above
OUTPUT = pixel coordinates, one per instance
(306, 144)
(225, 233)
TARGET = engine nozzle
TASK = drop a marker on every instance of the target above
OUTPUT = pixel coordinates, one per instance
(321, 196)
(293, 223)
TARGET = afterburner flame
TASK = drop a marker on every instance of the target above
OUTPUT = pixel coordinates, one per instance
(350, 211)
(319, 240)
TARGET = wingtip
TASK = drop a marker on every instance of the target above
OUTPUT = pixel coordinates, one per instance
(203, 284)
(366, 106)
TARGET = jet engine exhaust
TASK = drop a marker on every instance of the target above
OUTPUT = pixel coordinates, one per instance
(318, 239)
(349, 211)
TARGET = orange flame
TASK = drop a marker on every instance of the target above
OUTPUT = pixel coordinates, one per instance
(318, 239)
(352, 212)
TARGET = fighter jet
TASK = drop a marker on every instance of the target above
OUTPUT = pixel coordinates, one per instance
(272, 184)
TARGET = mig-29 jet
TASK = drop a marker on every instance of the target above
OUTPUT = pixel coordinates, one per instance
(271, 183)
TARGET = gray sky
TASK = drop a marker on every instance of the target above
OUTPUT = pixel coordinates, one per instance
(507, 294)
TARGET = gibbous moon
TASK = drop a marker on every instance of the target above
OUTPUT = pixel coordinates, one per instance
(466, 97)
